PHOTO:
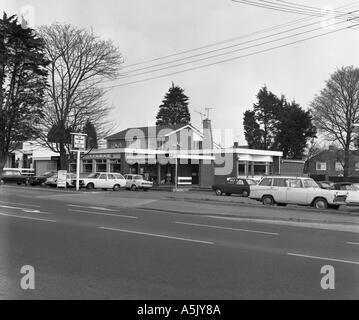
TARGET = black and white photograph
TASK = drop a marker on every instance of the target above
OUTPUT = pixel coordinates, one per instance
(178, 155)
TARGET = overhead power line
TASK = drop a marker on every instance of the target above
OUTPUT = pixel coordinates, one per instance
(229, 59)
(262, 31)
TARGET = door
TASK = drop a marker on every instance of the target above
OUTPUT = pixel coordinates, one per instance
(279, 190)
(296, 193)
(101, 182)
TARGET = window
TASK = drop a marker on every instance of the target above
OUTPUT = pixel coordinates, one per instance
(356, 166)
(119, 176)
(111, 176)
(321, 166)
(310, 183)
(103, 176)
(295, 183)
(251, 182)
(280, 182)
(266, 182)
(240, 182)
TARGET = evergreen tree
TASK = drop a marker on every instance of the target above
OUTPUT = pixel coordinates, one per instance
(23, 79)
(294, 129)
(174, 108)
(91, 139)
(275, 124)
(252, 132)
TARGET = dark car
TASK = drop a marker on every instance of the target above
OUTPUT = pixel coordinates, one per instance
(13, 176)
(325, 184)
(39, 180)
(350, 186)
(234, 186)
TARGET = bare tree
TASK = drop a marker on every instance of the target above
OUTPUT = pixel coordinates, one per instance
(336, 109)
(79, 62)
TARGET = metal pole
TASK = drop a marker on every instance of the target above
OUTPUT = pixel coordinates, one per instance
(78, 170)
(176, 181)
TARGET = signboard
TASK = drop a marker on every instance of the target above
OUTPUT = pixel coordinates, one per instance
(61, 178)
(78, 141)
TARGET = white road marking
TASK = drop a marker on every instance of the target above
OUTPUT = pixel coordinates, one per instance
(104, 214)
(96, 208)
(21, 204)
(27, 210)
(28, 218)
(354, 243)
(226, 228)
(156, 235)
(322, 258)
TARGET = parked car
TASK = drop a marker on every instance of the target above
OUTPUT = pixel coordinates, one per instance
(52, 180)
(40, 179)
(325, 184)
(103, 181)
(234, 186)
(352, 190)
(135, 182)
(13, 176)
(296, 190)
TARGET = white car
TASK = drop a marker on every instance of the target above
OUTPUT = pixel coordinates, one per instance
(136, 181)
(102, 180)
(296, 190)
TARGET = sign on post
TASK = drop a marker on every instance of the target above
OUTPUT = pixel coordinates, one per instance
(78, 142)
(61, 178)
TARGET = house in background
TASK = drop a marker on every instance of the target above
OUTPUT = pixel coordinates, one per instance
(329, 163)
(33, 155)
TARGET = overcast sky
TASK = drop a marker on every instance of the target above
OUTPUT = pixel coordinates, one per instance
(145, 30)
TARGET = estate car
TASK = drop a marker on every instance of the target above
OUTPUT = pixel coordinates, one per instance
(296, 190)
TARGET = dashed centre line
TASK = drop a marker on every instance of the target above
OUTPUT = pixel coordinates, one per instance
(157, 235)
(227, 228)
(322, 258)
(27, 218)
(103, 214)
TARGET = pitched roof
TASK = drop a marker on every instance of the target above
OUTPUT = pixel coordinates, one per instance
(158, 130)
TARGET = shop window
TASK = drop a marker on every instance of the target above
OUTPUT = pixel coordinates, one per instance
(87, 166)
(100, 165)
(338, 166)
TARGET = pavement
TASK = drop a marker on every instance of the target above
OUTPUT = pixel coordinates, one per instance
(147, 245)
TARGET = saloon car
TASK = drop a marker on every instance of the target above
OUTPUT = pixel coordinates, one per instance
(234, 186)
(102, 180)
(352, 189)
(40, 179)
(282, 190)
(136, 182)
(13, 176)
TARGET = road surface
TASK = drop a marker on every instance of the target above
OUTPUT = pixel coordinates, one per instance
(80, 250)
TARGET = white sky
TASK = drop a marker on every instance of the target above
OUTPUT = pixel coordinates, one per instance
(144, 29)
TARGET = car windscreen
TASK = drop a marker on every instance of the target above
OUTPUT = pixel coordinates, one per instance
(310, 183)
(93, 175)
(251, 182)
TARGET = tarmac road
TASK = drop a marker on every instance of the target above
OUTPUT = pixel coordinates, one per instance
(88, 249)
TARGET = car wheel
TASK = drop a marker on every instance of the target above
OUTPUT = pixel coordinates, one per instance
(2, 182)
(320, 203)
(268, 200)
(145, 189)
(116, 187)
(218, 192)
(133, 188)
(19, 183)
(245, 193)
(90, 186)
